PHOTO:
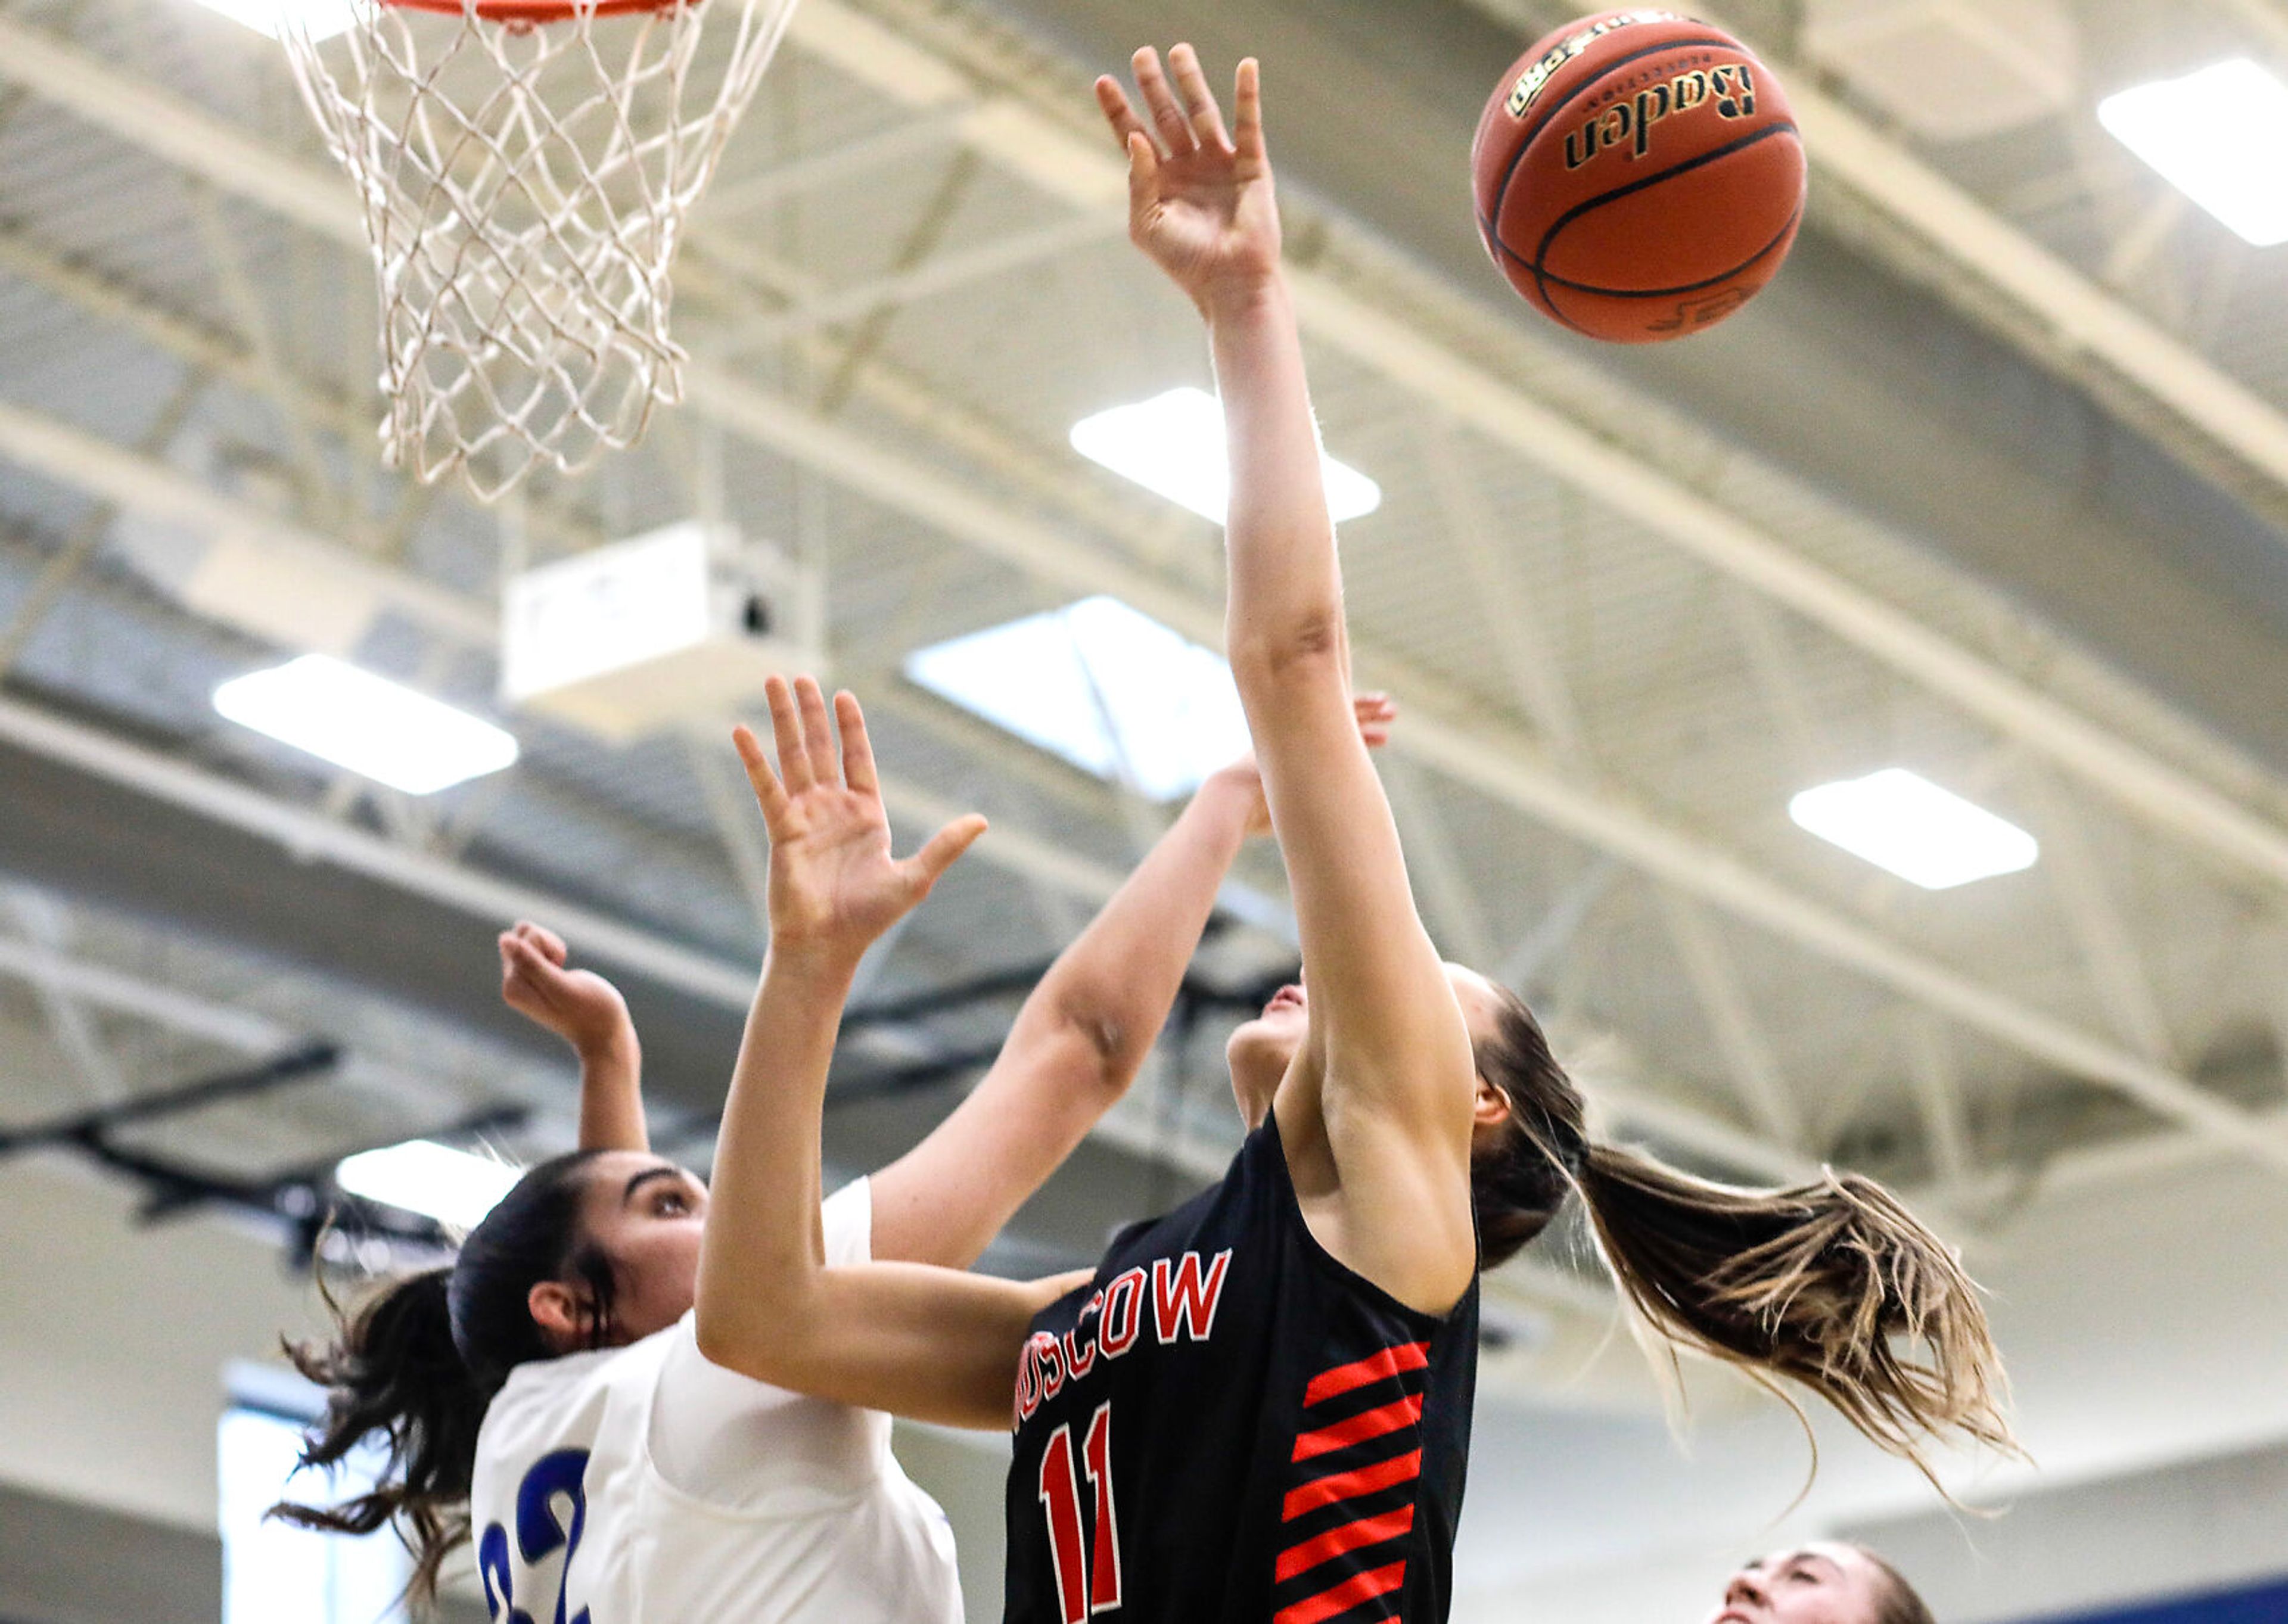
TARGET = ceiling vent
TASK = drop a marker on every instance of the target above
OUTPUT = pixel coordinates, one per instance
(1951, 70)
(678, 627)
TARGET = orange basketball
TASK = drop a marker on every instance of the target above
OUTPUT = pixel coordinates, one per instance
(1639, 176)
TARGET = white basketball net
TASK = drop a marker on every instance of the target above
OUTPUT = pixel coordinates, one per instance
(525, 185)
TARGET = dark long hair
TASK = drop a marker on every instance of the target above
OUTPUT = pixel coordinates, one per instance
(1831, 1284)
(418, 1361)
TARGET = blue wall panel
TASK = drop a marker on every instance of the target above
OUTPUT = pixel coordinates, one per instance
(2265, 1604)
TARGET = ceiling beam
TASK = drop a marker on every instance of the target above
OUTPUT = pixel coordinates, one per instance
(314, 838)
(1732, 1020)
(173, 128)
(1085, 174)
(2081, 319)
(1503, 766)
(1050, 154)
(145, 999)
(141, 485)
(1602, 1061)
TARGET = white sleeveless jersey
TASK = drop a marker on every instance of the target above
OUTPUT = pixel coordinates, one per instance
(645, 1485)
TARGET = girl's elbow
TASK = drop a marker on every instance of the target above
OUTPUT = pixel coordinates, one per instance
(1300, 649)
(718, 1343)
(743, 1343)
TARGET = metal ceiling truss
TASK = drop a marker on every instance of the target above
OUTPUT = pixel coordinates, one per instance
(1504, 764)
(301, 1202)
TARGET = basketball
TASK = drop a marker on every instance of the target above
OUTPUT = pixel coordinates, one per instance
(1638, 175)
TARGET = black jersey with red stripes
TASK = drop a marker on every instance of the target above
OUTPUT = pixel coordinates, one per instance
(1228, 1426)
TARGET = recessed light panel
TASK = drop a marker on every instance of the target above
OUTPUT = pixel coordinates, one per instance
(1901, 822)
(1173, 445)
(1105, 687)
(367, 724)
(419, 1176)
(2220, 136)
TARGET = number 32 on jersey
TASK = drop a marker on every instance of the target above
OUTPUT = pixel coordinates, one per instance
(1088, 1569)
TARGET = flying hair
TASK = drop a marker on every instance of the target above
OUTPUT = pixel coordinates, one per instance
(1830, 1285)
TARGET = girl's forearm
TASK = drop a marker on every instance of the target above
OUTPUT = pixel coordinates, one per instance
(934, 1344)
(1120, 976)
(763, 1247)
(611, 1095)
(1286, 590)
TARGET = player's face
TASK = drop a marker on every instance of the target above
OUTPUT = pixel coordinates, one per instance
(1819, 1583)
(1261, 1050)
(647, 1214)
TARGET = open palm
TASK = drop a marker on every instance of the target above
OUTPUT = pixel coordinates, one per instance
(833, 882)
(1200, 200)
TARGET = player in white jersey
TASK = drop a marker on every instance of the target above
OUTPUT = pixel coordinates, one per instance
(546, 1396)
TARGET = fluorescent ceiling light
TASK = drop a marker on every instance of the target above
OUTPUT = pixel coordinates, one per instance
(366, 724)
(448, 1185)
(320, 19)
(1172, 444)
(2220, 136)
(1109, 689)
(1899, 820)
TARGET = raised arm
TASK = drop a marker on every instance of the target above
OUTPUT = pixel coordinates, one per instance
(1083, 1033)
(917, 1341)
(1376, 1111)
(588, 1013)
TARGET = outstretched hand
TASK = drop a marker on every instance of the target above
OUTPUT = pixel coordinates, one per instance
(577, 1005)
(834, 886)
(1376, 713)
(1200, 200)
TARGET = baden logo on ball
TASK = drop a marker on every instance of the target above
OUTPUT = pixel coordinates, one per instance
(1638, 175)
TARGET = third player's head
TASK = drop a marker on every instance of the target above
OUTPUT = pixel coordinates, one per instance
(588, 1250)
(1831, 1282)
(594, 1249)
(1824, 1582)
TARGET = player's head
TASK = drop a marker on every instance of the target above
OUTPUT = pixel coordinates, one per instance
(1260, 1052)
(588, 1250)
(1816, 1282)
(1824, 1582)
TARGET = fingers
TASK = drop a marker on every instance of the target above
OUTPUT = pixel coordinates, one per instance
(809, 755)
(528, 976)
(1376, 712)
(525, 943)
(1247, 103)
(1167, 117)
(1199, 101)
(1143, 177)
(926, 866)
(550, 946)
(1113, 102)
(786, 732)
(817, 732)
(520, 956)
(770, 795)
(857, 749)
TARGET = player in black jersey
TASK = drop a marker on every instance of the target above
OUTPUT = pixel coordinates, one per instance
(1256, 1409)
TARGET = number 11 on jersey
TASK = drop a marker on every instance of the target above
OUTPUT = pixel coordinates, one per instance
(1082, 1591)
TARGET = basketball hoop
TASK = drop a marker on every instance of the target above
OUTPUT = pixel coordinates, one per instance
(525, 167)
